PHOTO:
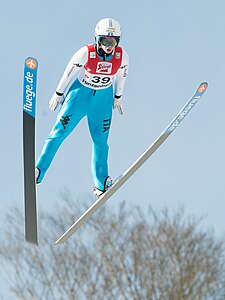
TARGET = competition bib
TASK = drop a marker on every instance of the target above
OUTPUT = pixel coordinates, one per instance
(99, 74)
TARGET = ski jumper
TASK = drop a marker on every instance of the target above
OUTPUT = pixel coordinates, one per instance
(89, 84)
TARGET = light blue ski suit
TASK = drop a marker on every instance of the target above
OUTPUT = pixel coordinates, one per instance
(89, 94)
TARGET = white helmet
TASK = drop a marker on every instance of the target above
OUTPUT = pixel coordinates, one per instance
(108, 27)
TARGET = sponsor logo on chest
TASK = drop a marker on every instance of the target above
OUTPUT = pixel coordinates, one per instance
(92, 54)
(104, 67)
(118, 55)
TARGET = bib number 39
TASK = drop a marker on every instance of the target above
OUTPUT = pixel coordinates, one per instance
(99, 79)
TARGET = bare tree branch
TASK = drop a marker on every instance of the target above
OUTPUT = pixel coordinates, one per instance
(125, 254)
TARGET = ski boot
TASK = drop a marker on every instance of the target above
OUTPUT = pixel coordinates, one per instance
(37, 175)
(108, 183)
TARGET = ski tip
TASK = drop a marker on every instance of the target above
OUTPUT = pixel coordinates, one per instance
(202, 87)
(31, 63)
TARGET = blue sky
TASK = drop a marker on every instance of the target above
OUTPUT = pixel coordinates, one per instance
(173, 46)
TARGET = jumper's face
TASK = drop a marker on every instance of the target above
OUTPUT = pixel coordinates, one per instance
(108, 43)
(108, 49)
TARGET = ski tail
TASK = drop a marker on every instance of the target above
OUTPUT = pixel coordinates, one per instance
(29, 109)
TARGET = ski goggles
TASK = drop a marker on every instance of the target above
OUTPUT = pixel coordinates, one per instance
(109, 40)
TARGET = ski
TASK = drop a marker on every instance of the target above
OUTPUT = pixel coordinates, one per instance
(137, 164)
(29, 104)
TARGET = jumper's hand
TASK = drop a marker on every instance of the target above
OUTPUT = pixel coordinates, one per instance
(118, 104)
(55, 100)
